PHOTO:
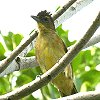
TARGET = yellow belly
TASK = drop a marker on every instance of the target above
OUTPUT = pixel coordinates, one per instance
(49, 57)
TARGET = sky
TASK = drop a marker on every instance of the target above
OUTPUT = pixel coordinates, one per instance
(15, 16)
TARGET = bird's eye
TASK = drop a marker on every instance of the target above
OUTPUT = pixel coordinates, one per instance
(45, 19)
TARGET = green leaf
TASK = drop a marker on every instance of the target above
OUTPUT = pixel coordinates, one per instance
(96, 56)
(16, 39)
(12, 40)
(58, 8)
(23, 79)
(8, 41)
(31, 53)
(4, 85)
(87, 58)
(45, 92)
(86, 86)
(92, 76)
(78, 83)
(2, 51)
(29, 97)
(53, 91)
(64, 36)
(77, 61)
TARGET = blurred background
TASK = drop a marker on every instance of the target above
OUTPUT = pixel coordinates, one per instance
(16, 23)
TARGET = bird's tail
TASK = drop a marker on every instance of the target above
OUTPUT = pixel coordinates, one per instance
(74, 91)
(69, 82)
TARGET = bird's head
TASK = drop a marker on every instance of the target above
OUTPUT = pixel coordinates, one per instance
(44, 20)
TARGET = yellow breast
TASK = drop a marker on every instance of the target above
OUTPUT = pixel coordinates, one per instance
(49, 49)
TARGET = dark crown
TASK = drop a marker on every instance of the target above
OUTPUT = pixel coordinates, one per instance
(44, 14)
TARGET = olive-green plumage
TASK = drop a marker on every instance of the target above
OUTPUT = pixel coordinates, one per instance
(49, 49)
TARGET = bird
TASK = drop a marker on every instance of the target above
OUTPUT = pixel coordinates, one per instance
(49, 48)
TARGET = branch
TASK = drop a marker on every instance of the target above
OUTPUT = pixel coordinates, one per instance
(92, 41)
(77, 6)
(20, 63)
(91, 95)
(56, 69)
(4, 64)
(63, 9)
(28, 48)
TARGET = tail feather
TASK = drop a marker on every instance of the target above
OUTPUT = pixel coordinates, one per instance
(74, 91)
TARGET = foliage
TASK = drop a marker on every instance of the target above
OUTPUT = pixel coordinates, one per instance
(86, 68)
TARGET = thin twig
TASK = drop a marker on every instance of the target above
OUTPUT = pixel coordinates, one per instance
(63, 9)
(93, 41)
(56, 69)
(90, 95)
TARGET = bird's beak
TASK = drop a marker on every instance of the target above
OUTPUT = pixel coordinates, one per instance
(36, 18)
